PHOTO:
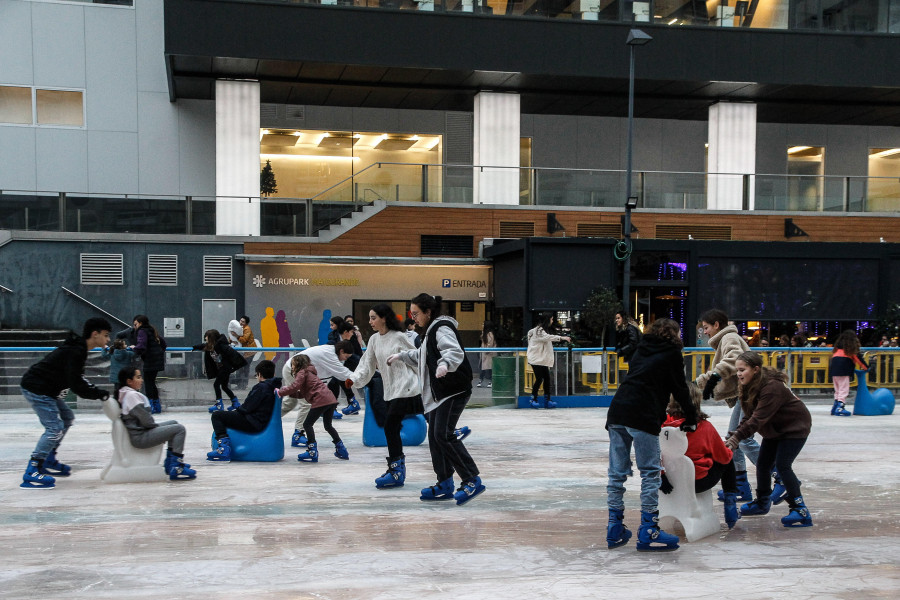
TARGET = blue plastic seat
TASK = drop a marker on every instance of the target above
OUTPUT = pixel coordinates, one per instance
(866, 403)
(264, 446)
(412, 431)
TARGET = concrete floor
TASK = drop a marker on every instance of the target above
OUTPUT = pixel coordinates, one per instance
(292, 530)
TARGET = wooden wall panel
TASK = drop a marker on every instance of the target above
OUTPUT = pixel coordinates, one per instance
(395, 230)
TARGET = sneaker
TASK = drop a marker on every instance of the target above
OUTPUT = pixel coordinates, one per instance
(478, 384)
(490, 384)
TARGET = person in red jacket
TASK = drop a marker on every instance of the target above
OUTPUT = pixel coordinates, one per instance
(713, 461)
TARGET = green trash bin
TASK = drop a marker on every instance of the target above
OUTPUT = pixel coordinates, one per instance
(504, 380)
(71, 399)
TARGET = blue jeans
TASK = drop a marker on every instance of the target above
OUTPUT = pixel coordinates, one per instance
(646, 453)
(55, 416)
(748, 448)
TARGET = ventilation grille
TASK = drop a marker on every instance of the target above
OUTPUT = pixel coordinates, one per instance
(217, 270)
(599, 230)
(516, 229)
(102, 269)
(268, 113)
(697, 232)
(447, 245)
(458, 146)
(162, 269)
(295, 114)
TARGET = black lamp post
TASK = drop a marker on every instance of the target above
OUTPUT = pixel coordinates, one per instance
(636, 37)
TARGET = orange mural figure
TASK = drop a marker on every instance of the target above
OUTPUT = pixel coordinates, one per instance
(268, 328)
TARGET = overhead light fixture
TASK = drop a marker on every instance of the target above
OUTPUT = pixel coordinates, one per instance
(631, 203)
(885, 153)
(672, 22)
(636, 37)
(796, 149)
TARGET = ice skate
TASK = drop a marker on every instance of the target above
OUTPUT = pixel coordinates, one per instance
(838, 409)
(222, 453)
(761, 506)
(468, 490)
(298, 440)
(53, 467)
(178, 470)
(732, 513)
(462, 433)
(799, 515)
(341, 451)
(653, 539)
(616, 532)
(217, 405)
(33, 478)
(352, 408)
(235, 404)
(337, 415)
(395, 476)
(311, 454)
(442, 490)
(745, 492)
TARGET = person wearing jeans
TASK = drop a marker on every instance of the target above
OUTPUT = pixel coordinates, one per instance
(634, 420)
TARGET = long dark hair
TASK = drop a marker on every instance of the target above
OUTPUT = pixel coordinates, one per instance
(749, 393)
(390, 317)
(429, 303)
(668, 330)
(848, 342)
(211, 336)
(145, 324)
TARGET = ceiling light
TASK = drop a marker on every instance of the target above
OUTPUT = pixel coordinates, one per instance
(796, 149)
(885, 153)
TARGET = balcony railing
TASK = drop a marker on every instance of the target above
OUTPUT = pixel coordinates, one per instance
(431, 183)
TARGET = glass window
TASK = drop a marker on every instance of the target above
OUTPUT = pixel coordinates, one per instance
(805, 168)
(15, 105)
(58, 107)
(883, 189)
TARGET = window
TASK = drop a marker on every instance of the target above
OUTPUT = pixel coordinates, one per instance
(15, 105)
(883, 189)
(40, 106)
(806, 184)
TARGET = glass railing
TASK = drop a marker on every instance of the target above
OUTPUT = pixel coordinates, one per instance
(448, 184)
(877, 16)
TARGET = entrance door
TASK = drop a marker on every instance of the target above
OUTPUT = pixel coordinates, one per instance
(217, 313)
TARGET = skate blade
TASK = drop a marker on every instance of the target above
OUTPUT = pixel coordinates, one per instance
(33, 485)
(465, 499)
(658, 548)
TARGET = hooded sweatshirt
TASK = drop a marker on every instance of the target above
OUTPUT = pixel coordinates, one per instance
(63, 368)
(728, 345)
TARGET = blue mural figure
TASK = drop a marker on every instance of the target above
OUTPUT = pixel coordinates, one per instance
(284, 336)
(325, 327)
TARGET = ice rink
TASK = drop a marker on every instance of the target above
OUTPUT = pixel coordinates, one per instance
(322, 531)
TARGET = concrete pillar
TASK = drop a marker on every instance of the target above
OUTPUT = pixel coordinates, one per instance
(237, 158)
(496, 144)
(731, 154)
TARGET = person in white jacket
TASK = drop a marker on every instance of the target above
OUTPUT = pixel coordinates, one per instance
(401, 386)
(445, 381)
(540, 358)
(326, 360)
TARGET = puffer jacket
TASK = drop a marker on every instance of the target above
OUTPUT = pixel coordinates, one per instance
(728, 345)
(540, 347)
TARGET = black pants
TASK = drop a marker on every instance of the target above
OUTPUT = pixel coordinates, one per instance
(448, 454)
(376, 399)
(327, 414)
(150, 384)
(718, 471)
(224, 420)
(541, 376)
(337, 386)
(221, 383)
(398, 409)
(778, 453)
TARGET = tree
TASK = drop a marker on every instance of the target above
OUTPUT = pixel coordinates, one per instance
(267, 183)
(600, 309)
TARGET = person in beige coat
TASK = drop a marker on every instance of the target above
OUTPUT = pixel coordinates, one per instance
(721, 383)
(540, 359)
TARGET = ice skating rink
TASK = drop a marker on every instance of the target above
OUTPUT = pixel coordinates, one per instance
(322, 531)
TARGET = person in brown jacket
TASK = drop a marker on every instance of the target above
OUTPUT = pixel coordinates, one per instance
(783, 421)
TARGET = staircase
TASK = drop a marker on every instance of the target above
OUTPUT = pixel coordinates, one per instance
(349, 221)
(13, 364)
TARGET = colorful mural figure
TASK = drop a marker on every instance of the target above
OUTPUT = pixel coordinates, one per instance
(324, 327)
(284, 336)
(268, 329)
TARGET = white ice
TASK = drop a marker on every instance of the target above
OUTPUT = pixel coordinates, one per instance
(296, 530)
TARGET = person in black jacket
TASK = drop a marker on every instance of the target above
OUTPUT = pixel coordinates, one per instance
(151, 348)
(635, 418)
(43, 385)
(252, 416)
(220, 360)
(628, 336)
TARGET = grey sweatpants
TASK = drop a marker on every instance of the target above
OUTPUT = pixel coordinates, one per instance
(288, 404)
(165, 431)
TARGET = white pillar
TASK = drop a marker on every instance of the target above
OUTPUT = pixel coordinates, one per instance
(237, 158)
(496, 144)
(732, 154)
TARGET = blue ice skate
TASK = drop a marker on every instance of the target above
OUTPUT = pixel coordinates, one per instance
(442, 490)
(468, 490)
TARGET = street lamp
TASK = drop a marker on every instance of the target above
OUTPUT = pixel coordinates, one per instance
(636, 37)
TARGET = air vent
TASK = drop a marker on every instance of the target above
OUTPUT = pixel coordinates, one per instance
(295, 113)
(268, 113)
(162, 269)
(697, 232)
(447, 245)
(217, 270)
(102, 269)
(599, 230)
(516, 229)
(458, 144)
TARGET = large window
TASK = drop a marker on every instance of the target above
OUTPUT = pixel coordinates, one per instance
(805, 168)
(883, 189)
(40, 106)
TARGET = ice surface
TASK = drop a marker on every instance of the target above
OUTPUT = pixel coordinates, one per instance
(296, 530)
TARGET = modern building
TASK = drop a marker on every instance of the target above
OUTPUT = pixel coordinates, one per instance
(132, 136)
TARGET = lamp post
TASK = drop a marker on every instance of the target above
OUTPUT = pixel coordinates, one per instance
(636, 37)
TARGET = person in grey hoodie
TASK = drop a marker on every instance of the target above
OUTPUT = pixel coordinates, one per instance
(445, 379)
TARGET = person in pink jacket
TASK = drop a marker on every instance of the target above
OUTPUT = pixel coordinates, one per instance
(322, 402)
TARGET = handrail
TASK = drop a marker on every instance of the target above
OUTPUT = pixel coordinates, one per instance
(3, 288)
(94, 306)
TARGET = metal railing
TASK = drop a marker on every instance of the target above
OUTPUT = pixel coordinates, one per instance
(94, 306)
